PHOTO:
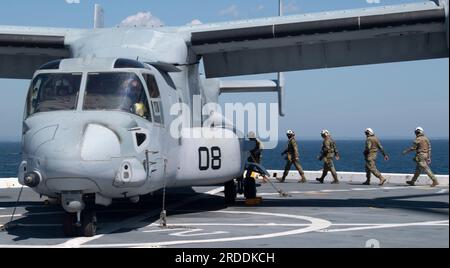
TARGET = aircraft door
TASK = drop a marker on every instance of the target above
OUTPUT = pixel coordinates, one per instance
(155, 152)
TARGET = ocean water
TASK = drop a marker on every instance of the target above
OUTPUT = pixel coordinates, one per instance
(10, 158)
(351, 157)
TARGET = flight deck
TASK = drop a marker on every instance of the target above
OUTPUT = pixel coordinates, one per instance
(313, 216)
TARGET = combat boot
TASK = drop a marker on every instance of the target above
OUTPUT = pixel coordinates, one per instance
(366, 183)
(435, 183)
(382, 181)
(281, 180)
(335, 182)
(302, 180)
(320, 180)
(411, 183)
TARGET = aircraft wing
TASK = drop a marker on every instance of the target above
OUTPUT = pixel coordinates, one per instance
(323, 40)
(25, 49)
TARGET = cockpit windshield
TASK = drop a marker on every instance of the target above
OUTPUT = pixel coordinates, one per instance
(116, 91)
(53, 92)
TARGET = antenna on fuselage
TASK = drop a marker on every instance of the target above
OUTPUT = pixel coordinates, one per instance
(280, 78)
(99, 17)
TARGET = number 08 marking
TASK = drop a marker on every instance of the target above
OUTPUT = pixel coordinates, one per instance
(205, 158)
(216, 162)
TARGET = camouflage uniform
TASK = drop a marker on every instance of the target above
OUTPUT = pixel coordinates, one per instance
(373, 145)
(256, 153)
(329, 151)
(422, 147)
(293, 158)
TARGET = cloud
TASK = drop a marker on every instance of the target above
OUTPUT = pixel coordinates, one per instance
(195, 22)
(232, 11)
(260, 8)
(142, 19)
(291, 7)
(373, 1)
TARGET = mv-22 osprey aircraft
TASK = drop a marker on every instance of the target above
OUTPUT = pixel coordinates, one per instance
(97, 117)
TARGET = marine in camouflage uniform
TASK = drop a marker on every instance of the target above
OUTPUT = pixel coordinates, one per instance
(292, 158)
(373, 145)
(422, 147)
(329, 151)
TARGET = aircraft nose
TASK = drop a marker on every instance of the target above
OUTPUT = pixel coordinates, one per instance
(89, 146)
(40, 137)
(100, 143)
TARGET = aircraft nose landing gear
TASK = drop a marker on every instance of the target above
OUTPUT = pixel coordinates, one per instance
(80, 217)
(87, 226)
(88, 223)
(69, 224)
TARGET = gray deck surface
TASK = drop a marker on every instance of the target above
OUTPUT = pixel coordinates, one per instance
(315, 216)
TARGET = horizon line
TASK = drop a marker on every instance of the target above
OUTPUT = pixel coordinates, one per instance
(306, 138)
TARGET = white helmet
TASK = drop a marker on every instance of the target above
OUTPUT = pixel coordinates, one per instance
(251, 135)
(325, 133)
(370, 131)
(419, 130)
(290, 133)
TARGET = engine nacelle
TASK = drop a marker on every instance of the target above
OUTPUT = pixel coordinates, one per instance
(209, 156)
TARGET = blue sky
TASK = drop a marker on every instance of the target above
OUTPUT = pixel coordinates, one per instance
(391, 98)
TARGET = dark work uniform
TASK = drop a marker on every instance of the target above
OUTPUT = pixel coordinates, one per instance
(256, 153)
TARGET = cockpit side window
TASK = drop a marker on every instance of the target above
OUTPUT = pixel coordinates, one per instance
(53, 92)
(155, 98)
(117, 92)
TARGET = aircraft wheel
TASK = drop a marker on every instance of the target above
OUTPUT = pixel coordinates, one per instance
(230, 192)
(88, 223)
(240, 185)
(249, 188)
(68, 224)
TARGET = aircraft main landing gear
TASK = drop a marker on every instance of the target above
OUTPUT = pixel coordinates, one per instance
(253, 170)
(249, 187)
(230, 192)
(245, 186)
